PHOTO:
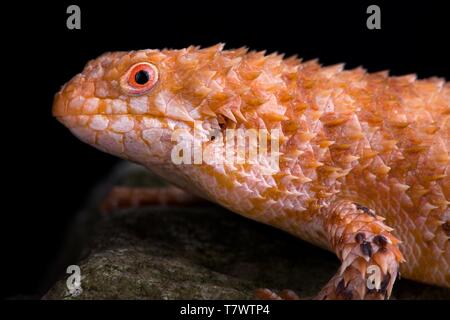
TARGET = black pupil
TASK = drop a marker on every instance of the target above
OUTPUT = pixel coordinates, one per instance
(142, 77)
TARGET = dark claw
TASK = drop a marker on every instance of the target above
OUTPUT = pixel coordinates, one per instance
(343, 291)
(384, 284)
(446, 227)
(380, 241)
(366, 249)
(360, 237)
(365, 209)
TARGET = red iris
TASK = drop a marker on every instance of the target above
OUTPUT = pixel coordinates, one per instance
(140, 78)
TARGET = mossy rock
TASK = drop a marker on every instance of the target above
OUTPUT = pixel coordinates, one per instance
(200, 252)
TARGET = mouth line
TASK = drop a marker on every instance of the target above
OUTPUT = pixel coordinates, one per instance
(111, 116)
(103, 114)
(127, 114)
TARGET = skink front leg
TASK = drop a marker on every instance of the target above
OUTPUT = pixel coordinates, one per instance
(368, 251)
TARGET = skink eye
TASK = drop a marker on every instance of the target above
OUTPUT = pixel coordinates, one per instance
(140, 78)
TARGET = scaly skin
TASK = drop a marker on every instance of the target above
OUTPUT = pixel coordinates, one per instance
(356, 148)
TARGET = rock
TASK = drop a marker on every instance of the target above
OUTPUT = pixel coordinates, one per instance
(201, 252)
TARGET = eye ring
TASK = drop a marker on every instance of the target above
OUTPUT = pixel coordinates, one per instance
(140, 78)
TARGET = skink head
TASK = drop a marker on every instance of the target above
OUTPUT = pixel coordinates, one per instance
(136, 104)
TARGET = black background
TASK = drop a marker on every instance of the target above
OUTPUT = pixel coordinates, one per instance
(48, 173)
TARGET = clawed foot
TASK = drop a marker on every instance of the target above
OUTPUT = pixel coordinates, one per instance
(133, 197)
